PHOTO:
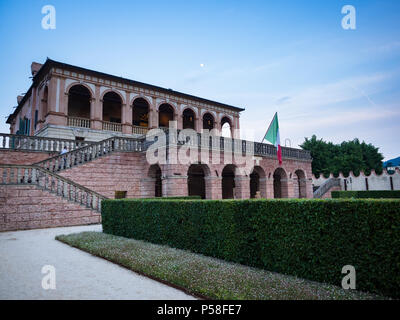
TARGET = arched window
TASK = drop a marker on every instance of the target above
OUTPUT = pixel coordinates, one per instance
(228, 182)
(79, 102)
(112, 107)
(208, 121)
(301, 184)
(140, 113)
(226, 127)
(165, 115)
(196, 182)
(156, 182)
(280, 184)
(258, 187)
(79, 106)
(188, 119)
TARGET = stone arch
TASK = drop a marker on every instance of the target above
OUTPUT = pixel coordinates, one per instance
(80, 83)
(188, 119)
(154, 180)
(166, 113)
(280, 183)
(79, 101)
(197, 183)
(228, 175)
(132, 99)
(300, 188)
(140, 112)
(112, 107)
(114, 91)
(258, 182)
(208, 121)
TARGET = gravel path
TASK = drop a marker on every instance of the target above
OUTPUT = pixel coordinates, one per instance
(79, 275)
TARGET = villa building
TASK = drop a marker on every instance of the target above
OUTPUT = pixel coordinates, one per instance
(102, 120)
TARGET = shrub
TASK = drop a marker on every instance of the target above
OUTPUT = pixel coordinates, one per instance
(312, 239)
(374, 194)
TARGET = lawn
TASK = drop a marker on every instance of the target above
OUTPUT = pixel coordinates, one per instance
(205, 276)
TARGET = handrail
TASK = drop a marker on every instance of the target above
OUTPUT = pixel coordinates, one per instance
(91, 152)
(326, 186)
(36, 143)
(237, 145)
(35, 175)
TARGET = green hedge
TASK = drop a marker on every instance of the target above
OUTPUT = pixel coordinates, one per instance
(312, 239)
(378, 194)
(168, 198)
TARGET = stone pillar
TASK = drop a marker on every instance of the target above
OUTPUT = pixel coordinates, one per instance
(270, 188)
(242, 187)
(263, 187)
(153, 114)
(179, 117)
(126, 118)
(96, 111)
(147, 187)
(213, 187)
(55, 116)
(309, 189)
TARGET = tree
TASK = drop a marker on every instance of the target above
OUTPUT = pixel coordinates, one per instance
(344, 157)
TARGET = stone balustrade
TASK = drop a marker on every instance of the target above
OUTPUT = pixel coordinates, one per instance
(78, 122)
(35, 143)
(34, 175)
(91, 152)
(235, 145)
(112, 126)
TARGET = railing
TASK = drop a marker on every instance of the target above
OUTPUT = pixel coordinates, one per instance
(78, 122)
(139, 130)
(35, 143)
(112, 126)
(34, 175)
(326, 186)
(91, 152)
(234, 145)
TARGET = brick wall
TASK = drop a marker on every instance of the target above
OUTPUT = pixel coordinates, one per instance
(121, 171)
(27, 207)
(23, 157)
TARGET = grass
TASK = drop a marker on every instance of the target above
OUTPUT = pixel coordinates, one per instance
(205, 276)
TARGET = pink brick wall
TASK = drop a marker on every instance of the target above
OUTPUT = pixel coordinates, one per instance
(115, 172)
(23, 157)
(26, 207)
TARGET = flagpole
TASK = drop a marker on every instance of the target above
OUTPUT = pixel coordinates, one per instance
(269, 126)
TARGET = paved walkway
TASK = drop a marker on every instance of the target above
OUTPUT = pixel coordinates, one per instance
(79, 275)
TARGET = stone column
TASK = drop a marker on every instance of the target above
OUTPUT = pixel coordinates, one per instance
(309, 189)
(242, 187)
(126, 117)
(270, 188)
(96, 111)
(263, 187)
(55, 116)
(213, 187)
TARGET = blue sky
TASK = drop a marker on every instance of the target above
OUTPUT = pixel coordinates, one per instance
(293, 57)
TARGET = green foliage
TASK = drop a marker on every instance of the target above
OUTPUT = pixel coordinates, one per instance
(345, 157)
(378, 194)
(311, 239)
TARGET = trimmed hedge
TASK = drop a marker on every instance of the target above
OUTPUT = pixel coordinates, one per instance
(168, 198)
(374, 194)
(308, 238)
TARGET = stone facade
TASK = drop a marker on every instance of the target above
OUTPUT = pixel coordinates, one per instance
(68, 104)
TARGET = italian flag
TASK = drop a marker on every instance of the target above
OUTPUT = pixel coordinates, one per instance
(273, 136)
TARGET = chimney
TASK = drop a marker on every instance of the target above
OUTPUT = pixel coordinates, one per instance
(35, 67)
(19, 98)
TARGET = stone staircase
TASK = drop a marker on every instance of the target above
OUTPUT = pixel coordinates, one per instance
(326, 187)
(73, 202)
